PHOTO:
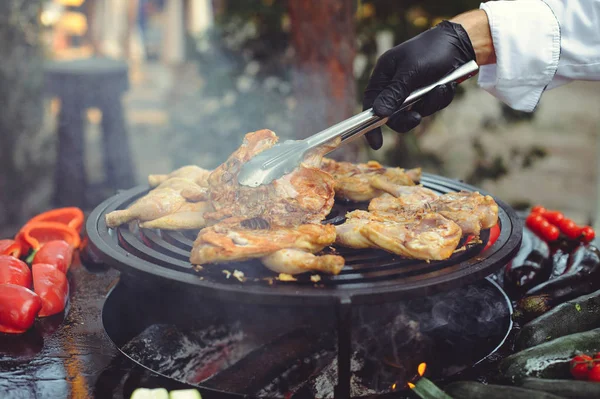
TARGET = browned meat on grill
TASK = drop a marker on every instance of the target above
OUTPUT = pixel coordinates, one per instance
(282, 249)
(188, 217)
(303, 196)
(354, 182)
(470, 210)
(189, 172)
(167, 198)
(419, 235)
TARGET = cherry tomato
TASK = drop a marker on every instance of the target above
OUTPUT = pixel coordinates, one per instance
(538, 209)
(569, 228)
(52, 287)
(554, 217)
(588, 234)
(540, 226)
(18, 308)
(580, 366)
(594, 373)
(58, 253)
(14, 271)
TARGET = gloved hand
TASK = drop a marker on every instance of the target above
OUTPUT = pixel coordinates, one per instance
(411, 65)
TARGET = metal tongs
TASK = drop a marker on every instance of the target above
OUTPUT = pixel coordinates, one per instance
(283, 158)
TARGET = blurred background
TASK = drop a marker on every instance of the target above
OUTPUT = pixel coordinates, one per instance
(97, 94)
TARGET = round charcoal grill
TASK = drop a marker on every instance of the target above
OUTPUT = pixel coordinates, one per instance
(369, 276)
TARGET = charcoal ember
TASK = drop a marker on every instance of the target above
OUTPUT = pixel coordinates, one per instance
(190, 356)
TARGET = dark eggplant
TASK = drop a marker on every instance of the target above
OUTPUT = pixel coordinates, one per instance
(531, 266)
(582, 277)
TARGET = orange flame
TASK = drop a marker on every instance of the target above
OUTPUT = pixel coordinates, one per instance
(394, 386)
(421, 369)
(411, 385)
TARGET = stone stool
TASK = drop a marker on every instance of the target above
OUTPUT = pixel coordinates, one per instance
(82, 84)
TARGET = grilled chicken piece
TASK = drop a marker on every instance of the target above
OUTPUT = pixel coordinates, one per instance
(188, 217)
(419, 235)
(303, 196)
(282, 249)
(191, 172)
(470, 210)
(168, 198)
(354, 182)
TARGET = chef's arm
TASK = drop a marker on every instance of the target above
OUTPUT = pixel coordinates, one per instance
(538, 45)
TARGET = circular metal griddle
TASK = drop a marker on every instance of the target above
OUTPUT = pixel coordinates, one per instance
(370, 276)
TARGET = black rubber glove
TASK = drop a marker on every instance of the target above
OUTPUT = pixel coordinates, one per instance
(411, 65)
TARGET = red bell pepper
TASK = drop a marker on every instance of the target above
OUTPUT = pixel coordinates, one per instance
(58, 253)
(494, 234)
(14, 271)
(18, 308)
(52, 286)
(10, 247)
(71, 217)
(35, 234)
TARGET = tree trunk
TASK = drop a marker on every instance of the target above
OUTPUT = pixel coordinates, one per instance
(323, 39)
(21, 103)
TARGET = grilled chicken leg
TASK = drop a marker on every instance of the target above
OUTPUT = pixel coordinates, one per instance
(165, 199)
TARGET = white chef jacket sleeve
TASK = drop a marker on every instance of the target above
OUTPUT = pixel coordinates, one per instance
(540, 45)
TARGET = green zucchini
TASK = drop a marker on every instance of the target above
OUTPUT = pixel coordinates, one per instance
(477, 390)
(550, 359)
(565, 388)
(577, 315)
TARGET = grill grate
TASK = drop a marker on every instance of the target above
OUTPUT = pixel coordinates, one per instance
(370, 276)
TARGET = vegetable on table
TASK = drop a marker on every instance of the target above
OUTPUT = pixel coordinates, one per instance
(58, 253)
(581, 366)
(18, 308)
(71, 216)
(14, 271)
(582, 277)
(540, 226)
(477, 390)
(564, 388)
(531, 266)
(550, 359)
(52, 287)
(10, 247)
(594, 374)
(36, 234)
(577, 315)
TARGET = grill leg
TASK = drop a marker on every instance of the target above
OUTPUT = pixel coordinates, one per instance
(344, 334)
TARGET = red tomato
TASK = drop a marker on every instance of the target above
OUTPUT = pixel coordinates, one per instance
(554, 217)
(588, 234)
(18, 308)
(569, 228)
(594, 374)
(580, 366)
(10, 247)
(539, 225)
(52, 287)
(58, 253)
(538, 209)
(14, 271)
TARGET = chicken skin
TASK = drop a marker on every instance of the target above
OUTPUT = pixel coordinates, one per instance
(355, 182)
(418, 235)
(281, 249)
